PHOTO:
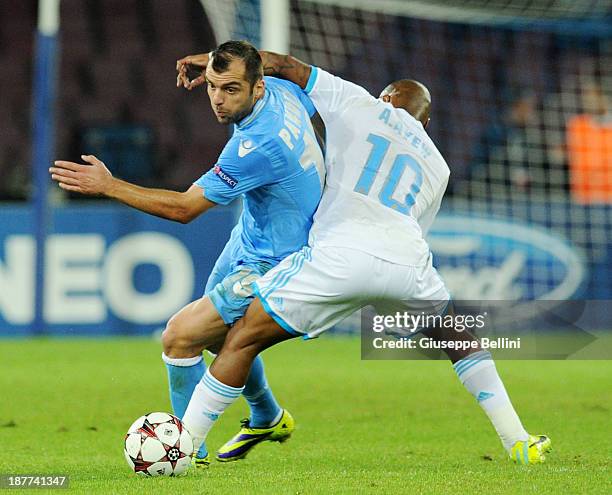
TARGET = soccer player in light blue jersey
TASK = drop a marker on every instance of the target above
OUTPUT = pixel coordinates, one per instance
(275, 164)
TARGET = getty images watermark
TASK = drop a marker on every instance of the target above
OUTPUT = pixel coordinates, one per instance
(403, 326)
(508, 329)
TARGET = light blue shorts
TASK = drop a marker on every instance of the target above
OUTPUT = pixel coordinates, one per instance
(232, 295)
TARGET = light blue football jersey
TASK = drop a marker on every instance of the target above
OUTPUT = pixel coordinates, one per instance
(274, 162)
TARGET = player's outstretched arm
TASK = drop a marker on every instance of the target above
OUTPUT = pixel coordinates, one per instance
(286, 67)
(96, 180)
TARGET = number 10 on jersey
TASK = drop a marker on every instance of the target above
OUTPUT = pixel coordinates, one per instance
(380, 147)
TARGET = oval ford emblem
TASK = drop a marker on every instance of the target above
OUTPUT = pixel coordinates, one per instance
(491, 259)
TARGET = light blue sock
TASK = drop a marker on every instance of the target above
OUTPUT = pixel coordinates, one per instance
(265, 411)
(183, 376)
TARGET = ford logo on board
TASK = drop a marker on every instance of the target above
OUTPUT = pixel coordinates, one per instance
(491, 259)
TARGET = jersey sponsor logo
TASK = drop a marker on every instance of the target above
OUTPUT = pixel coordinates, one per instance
(225, 177)
(245, 147)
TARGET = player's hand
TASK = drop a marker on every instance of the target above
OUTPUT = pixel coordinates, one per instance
(93, 179)
(193, 63)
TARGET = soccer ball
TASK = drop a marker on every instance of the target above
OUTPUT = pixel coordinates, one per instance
(157, 444)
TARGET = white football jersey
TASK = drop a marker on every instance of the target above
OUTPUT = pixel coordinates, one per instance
(385, 177)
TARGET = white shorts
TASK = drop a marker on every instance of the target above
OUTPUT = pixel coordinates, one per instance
(316, 288)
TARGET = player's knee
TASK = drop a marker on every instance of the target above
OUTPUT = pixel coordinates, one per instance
(173, 338)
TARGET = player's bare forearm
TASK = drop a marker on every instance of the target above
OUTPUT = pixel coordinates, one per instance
(163, 203)
(94, 179)
(286, 67)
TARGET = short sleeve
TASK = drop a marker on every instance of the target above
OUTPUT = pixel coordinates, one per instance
(331, 94)
(242, 166)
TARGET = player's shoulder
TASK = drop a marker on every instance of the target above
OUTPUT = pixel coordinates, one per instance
(287, 94)
(261, 136)
(262, 149)
(245, 150)
(321, 79)
(265, 120)
(263, 130)
(278, 91)
(365, 112)
(276, 84)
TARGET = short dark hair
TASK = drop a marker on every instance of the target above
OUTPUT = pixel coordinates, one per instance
(223, 55)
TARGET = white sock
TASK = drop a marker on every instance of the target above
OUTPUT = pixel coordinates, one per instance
(479, 376)
(209, 400)
(182, 362)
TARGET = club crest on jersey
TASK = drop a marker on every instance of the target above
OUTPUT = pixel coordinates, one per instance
(225, 177)
(245, 147)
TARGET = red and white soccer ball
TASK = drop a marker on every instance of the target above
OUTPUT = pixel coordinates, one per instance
(158, 444)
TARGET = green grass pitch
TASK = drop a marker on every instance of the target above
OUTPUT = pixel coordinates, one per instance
(362, 427)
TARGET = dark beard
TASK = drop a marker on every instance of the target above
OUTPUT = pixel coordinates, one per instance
(237, 117)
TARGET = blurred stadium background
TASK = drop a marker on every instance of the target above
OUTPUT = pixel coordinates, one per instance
(522, 94)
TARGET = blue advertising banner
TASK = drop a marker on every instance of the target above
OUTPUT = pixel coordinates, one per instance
(108, 269)
(483, 258)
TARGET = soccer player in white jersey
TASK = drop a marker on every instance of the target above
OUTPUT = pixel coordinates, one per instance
(385, 182)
